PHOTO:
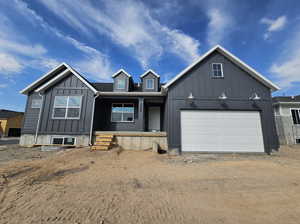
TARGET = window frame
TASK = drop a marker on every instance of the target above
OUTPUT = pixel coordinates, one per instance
(112, 105)
(298, 111)
(147, 83)
(117, 83)
(63, 138)
(213, 73)
(67, 107)
(36, 107)
(296, 141)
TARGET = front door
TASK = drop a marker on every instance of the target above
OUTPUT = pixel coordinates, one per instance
(154, 118)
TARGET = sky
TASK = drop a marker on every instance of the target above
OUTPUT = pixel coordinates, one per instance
(99, 37)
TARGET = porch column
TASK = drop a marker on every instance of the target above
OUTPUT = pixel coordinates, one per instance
(141, 114)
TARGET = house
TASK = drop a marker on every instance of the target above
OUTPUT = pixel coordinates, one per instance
(287, 117)
(216, 104)
(10, 123)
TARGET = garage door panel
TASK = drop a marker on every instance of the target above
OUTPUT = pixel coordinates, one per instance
(228, 131)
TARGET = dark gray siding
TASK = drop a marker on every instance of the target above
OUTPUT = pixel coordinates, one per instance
(69, 86)
(237, 85)
(127, 82)
(102, 117)
(156, 82)
(31, 115)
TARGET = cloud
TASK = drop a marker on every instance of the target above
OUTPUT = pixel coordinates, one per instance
(273, 25)
(134, 28)
(286, 68)
(9, 64)
(3, 86)
(219, 25)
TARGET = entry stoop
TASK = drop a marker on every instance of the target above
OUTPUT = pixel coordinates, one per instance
(103, 142)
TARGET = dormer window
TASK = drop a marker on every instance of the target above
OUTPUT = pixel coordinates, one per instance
(121, 83)
(149, 83)
(217, 70)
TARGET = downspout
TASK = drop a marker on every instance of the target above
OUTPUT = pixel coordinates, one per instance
(38, 123)
(92, 120)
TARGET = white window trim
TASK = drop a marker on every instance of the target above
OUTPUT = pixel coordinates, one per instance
(112, 105)
(298, 109)
(147, 83)
(34, 107)
(117, 83)
(66, 115)
(62, 136)
(212, 68)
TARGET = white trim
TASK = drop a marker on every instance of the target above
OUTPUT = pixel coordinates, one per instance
(149, 70)
(146, 87)
(121, 113)
(63, 137)
(118, 72)
(233, 58)
(276, 103)
(212, 70)
(56, 78)
(67, 108)
(132, 93)
(27, 88)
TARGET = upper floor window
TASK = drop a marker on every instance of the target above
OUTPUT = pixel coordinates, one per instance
(149, 83)
(36, 103)
(66, 107)
(120, 83)
(122, 112)
(296, 116)
(217, 70)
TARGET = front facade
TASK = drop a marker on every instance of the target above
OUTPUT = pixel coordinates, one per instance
(287, 117)
(10, 123)
(216, 104)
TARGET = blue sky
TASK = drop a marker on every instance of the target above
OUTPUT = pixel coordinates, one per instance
(99, 37)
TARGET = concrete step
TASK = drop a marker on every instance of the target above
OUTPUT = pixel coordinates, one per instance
(98, 147)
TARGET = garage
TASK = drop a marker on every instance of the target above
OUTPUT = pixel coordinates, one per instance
(221, 131)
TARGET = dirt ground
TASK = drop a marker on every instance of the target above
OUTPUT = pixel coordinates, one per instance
(140, 187)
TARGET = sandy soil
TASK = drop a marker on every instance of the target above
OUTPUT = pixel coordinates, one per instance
(79, 186)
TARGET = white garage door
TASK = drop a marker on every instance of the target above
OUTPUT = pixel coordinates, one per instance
(221, 131)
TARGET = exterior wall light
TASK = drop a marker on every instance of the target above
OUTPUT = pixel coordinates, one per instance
(190, 98)
(254, 97)
(222, 96)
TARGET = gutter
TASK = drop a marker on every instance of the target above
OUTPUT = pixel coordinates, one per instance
(92, 120)
(39, 119)
(162, 93)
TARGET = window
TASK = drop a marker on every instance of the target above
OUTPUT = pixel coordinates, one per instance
(297, 140)
(36, 103)
(120, 83)
(296, 115)
(217, 70)
(62, 140)
(67, 107)
(122, 112)
(149, 83)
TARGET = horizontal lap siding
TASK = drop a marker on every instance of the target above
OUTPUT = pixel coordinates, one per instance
(238, 86)
(67, 87)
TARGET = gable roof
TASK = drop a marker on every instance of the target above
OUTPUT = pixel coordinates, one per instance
(232, 58)
(121, 71)
(9, 113)
(50, 78)
(150, 71)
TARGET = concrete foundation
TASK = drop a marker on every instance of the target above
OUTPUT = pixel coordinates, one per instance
(28, 140)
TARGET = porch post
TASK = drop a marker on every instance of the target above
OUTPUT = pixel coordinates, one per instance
(141, 114)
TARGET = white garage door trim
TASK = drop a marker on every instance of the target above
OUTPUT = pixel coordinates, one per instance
(221, 131)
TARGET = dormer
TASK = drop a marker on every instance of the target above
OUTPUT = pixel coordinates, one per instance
(122, 81)
(150, 81)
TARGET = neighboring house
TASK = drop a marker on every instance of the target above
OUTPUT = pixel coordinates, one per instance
(287, 117)
(10, 123)
(216, 104)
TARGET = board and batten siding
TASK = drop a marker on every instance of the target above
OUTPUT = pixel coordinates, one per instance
(31, 115)
(156, 82)
(238, 86)
(69, 86)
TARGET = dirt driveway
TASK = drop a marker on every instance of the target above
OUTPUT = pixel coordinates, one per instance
(79, 186)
